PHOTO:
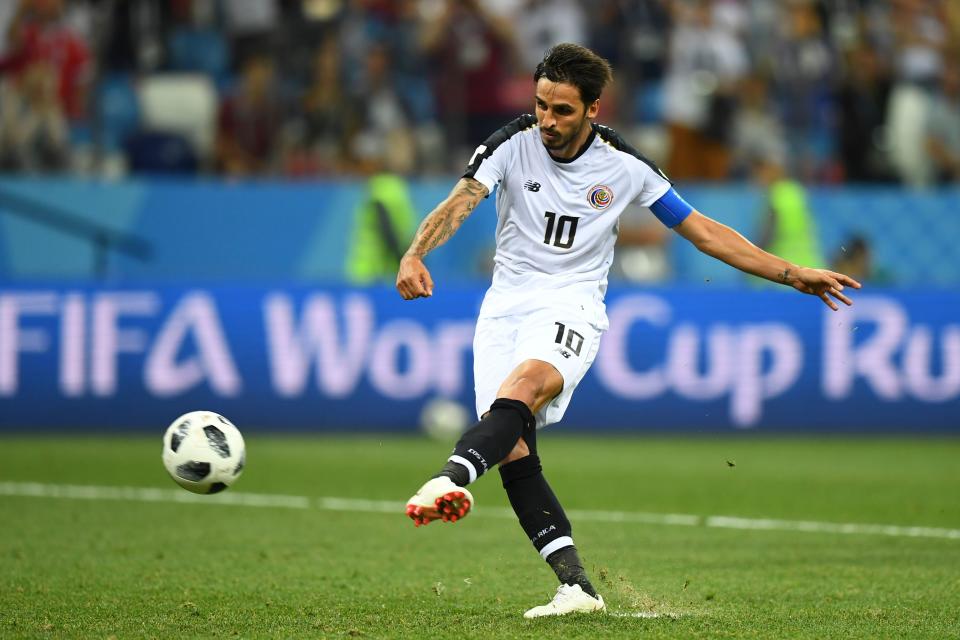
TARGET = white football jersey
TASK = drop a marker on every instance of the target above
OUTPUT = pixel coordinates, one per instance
(557, 220)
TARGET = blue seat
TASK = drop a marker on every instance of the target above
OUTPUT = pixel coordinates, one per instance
(117, 110)
(648, 103)
(200, 50)
(418, 96)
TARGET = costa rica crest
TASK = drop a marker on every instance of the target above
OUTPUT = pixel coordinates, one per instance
(600, 196)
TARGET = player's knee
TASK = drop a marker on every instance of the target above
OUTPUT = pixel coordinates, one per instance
(531, 389)
(520, 450)
(520, 388)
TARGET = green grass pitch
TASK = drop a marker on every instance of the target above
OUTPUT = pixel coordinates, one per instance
(128, 568)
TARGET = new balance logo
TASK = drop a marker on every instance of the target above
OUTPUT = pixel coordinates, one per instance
(530, 185)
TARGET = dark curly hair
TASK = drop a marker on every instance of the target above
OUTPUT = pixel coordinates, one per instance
(578, 66)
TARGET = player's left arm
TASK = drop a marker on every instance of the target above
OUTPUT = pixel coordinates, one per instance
(720, 241)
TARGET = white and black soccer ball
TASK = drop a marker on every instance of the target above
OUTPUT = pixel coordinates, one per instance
(444, 419)
(203, 452)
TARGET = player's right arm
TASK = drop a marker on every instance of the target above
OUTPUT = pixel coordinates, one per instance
(413, 278)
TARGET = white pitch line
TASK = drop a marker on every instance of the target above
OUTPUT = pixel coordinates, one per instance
(143, 494)
(355, 505)
(729, 522)
(638, 517)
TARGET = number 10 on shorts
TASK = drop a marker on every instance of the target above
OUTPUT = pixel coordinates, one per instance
(574, 341)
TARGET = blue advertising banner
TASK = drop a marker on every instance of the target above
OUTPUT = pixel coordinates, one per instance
(343, 359)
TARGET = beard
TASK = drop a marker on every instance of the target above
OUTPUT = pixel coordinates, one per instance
(559, 141)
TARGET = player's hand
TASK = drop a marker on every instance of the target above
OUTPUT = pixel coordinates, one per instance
(824, 284)
(413, 279)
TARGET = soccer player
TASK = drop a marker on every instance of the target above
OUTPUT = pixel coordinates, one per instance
(563, 182)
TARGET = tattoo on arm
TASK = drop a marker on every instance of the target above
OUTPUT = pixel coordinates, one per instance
(444, 221)
(786, 277)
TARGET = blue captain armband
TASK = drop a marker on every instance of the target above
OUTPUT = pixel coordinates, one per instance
(671, 209)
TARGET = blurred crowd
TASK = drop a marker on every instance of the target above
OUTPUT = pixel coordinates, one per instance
(827, 91)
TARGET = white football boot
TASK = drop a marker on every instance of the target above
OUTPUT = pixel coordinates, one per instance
(439, 499)
(569, 599)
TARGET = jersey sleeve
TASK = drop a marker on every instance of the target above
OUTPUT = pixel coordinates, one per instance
(649, 182)
(490, 161)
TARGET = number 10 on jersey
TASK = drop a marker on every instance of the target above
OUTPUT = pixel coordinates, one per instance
(565, 226)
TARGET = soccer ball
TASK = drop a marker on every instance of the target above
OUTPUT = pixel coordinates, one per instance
(203, 452)
(444, 419)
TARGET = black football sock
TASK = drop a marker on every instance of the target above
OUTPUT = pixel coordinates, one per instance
(489, 441)
(456, 472)
(566, 564)
(543, 519)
